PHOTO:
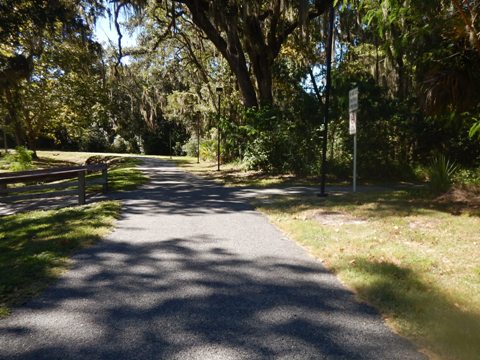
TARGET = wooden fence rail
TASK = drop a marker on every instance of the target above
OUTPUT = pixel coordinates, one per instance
(36, 183)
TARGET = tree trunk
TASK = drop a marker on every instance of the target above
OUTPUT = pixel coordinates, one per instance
(377, 63)
(11, 96)
(401, 78)
(231, 49)
(262, 69)
(32, 145)
(5, 145)
(31, 136)
(19, 136)
(333, 133)
(232, 31)
(244, 84)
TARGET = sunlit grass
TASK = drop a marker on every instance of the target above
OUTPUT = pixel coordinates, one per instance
(412, 256)
(40, 163)
(77, 157)
(414, 259)
(35, 246)
(234, 174)
(123, 173)
(126, 176)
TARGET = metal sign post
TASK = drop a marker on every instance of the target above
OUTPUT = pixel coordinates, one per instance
(353, 131)
(328, 88)
(170, 140)
(353, 108)
(355, 163)
(219, 92)
(198, 137)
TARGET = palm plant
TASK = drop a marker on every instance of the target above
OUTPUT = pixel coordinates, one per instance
(440, 173)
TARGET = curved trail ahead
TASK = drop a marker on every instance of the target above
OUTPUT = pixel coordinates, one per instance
(193, 272)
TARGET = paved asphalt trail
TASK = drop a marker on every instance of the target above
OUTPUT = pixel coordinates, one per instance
(193, 272)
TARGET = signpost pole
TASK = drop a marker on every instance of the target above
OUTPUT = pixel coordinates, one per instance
(323, 170)
(353, 108)
(170, 141)
(355, 162)
(219, 92)
(198, 138)
(5, 136)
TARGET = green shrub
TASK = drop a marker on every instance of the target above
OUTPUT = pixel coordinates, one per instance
(24, 155)
(280, 142)
(467, 177)
(95, 139)
(420, 172)
(178, 149)
(190, 147)
(475, 129)
(208, 149)
(208, 146)
(120, 145)
(440, 174)
(20, 160)
(258, 155)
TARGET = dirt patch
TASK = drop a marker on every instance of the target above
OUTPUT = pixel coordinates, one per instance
(463, 197)
(99, 159)
(423, 224)
(335, 218)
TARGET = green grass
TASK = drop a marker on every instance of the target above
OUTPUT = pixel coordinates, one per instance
(411, 255)
(123, 173)
(41, 163)
(234, 174)
(77, 157)
(35, 246)
(414, 258)
(127, 176)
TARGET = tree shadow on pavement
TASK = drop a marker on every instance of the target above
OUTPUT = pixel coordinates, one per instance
(168, 299)
(196, 296)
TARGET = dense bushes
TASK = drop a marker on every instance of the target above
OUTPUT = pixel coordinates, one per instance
(283, 140)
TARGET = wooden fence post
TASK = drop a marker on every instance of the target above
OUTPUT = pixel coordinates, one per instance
(81, 187)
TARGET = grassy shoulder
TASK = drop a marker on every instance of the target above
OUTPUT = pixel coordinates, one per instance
(233, 174)
(413, 257)
(35, 246)
(124, 175)
(123, 172)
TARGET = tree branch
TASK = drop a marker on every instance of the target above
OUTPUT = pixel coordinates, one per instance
(320, 8)
(118, 7)
(468, 23)
(315, 86)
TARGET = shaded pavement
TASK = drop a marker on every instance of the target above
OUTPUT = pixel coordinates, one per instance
(193, 272)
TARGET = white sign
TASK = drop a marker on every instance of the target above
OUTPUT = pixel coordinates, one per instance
(353, 123)
(353, 100)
